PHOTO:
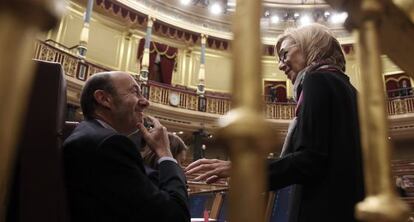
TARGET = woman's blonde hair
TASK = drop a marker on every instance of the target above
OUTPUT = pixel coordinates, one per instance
(317, 44)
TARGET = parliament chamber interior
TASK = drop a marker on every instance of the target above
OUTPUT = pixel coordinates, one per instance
(181, 54)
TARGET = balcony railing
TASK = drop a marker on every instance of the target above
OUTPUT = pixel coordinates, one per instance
(401, 92)
(402, 105)
(160, 93)
(214, 103)
(73, 65)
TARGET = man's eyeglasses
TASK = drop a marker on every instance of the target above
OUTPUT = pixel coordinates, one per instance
(283, 53)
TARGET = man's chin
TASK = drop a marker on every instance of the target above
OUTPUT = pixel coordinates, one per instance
(134, 128)
(139, 118)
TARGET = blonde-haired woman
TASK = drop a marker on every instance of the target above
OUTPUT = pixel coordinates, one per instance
(321, 155)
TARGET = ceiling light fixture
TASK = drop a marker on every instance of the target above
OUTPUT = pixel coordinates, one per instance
(216, 8)
(337, 18)
(274, 19)
(305, 20)
(185, 2)
(296, 15)
(231, 3)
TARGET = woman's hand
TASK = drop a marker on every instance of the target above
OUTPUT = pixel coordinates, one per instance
(213, 169)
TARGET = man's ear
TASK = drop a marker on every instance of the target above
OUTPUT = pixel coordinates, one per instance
(103, 98)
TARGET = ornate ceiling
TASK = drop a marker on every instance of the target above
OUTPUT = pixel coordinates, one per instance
(295, 2)
(277, 16)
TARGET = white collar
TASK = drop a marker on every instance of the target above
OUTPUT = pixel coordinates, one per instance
(107, 126)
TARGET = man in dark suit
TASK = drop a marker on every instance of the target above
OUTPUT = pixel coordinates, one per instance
(104, 171)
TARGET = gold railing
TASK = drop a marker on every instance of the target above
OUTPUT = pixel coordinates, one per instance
(280, 111)
(70, 63)
(160, 93)
(218, 105)
(400, 106)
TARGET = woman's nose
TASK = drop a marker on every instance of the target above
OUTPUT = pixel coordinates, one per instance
(282, 66)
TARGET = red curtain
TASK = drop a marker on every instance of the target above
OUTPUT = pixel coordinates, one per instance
(394, 84)
(275, 91)
(168, 57)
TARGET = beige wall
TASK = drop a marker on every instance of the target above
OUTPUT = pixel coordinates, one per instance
(353, 70)
(111, 42)
(114, 45)
(218, 70)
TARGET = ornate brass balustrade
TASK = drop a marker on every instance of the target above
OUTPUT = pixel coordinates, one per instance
(160, 93)
(71, 63)
(280, 111)
(400, 106)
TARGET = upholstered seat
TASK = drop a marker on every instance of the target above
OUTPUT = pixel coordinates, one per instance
(37, 191)
(68, 129)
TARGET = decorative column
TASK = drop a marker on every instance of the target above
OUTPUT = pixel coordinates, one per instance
(201, 72)
(20, 22)
(381, 202)
(244, 127)
(143, 75)
(84, 36)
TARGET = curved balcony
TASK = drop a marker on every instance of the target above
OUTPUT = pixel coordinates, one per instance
(215, 103)
(188, 113)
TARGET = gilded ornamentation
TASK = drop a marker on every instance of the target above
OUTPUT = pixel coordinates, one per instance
(94, 69)
(400, 106)
(192, 102)
(69, 65)
(155, 95)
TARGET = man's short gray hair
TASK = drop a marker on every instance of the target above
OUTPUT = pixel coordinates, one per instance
(317, 44)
